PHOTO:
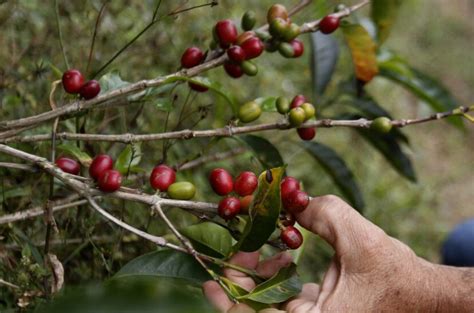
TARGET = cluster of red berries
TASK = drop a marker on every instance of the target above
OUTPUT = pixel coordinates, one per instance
(298, 111)
(73, 83)
(163, 178)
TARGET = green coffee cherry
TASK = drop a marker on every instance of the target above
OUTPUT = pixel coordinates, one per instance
(248, 20)
(249, 68)
(263, 35)
(249, 112)
(296, 117)
(381, 124)
(278, 27)
(309, 110)
(291, 32)
(181, 191)
(286, 50)
(282, 105)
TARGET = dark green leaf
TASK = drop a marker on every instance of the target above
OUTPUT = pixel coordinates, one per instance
(337, 168)
(264, 150)
(74, 151)
(209, 238)
(128, 158)
(384, 14)
(324, 56)
(282, 286)
(165, 263)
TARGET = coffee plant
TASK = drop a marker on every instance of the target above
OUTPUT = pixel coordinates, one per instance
(99, 159)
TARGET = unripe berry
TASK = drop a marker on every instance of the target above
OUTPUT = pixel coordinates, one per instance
(221, 181)
(278, 27)
(249, 68)
(90, 89)
(297, 101)
(244, 37)
(282, 105)
(236, 54)
(288, 185)
(328, 24)
(309, 110)
(296, 201)
(382, 124)
(248, 20)
(233, 69)
(228, 208)
(181, 191)
(198, 88)
(191, 57)
(226, 33)
(296, 117)
(110, 181)
(245, 184)
(277, 11)
(287, 219)
(292, 237)
(245, 203)
(249, 112)
(72, 81)
(286, 50)
(306, 133)
(291, 32)
(298, 48)
(68, 165)
(253, 47)
(162, 177)
(99, 165)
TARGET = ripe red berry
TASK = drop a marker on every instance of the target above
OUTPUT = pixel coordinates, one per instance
(306, 133)
(198, 88)
(292, 237)
(296, 201)
(162, 177)
(228, 208)
(90, 89)
(245, 184)
(297, 101)
(252, 47)
(221, 181)
(233, 69)
(236, 54)
(328, 24)
(298, 48)
(68, 165)
(72, 81)
(99, 165)
(191, 57)
(110, 181)
(288, 184)
(226, 33)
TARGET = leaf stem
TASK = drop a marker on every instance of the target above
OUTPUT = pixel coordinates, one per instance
(60, 33)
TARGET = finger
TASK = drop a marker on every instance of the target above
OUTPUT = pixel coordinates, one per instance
(329, 283)
(271, 266)
(241, 308)
(243, 259)
(306, 299)
(216, 295)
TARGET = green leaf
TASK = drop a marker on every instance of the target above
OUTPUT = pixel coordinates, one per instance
(210, 239)
(282, 286)
(363, 51)
(111, 81)
(264, 211)
(238, 292)
(337, 168)
(165, 263)
(264, 150)
(384, 14)
(267, 103)
(13, 193)
(324, 56)
(425, 87)
(74, 151)
(129, 158)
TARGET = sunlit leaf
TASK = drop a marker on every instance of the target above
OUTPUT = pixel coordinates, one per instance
(267, 103)
(209, 238)
(239, 292)
(72, 150)
(111, 81)
(384, 14)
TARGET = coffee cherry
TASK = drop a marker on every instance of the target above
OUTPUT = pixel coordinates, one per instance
(381, 124)
(287, 219)
(288, 185)
(249, 68)
(233, 69)
(236, 54)
(277, 11)
(278, 27)
(306, 133)
(296, 117)
(90, 89)
(328, 24)
(245, 184)
(162, 177)
(292, 237)
(99, 165)
(248, 20)
(198, 88)
(110, 181)
(291, 32)
(245, 203)
(191, 57)
(72, 81)
(297, 101)
(263, 35)
(226, 33)
(221, 181)
(68, 165)
(309, 110)
(244, 37)
(282, 105)
(286, 50)
(253, 47)
(298, 48)
(296, 201)
(228, 208)
(181, 191)
(249, 112)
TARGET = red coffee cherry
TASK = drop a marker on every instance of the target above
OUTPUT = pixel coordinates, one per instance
(297, 101)
(99, 165)
(244, 37)
(68, 165)
(72, 81)
(162, 177)
(328, 24)
(288, 185)
(298, 48)
(233, 69)
(90, 89)
(110, 181)
(287, 219)
(245, 184)
(228, 208)
(236, 54)
(296, 201)
(306, 133)
(226, 33)
(221, 181)
(252, 47)
(292, 237)
(191, 57)
(198, 88)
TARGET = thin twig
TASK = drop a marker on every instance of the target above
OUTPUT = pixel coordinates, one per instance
(8, 284)
(94, 35)
(60, 34)
(210, 158)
